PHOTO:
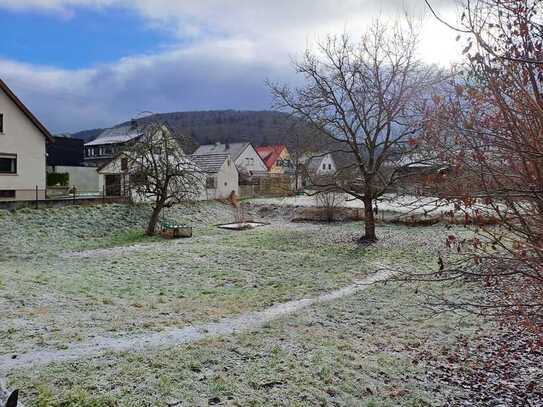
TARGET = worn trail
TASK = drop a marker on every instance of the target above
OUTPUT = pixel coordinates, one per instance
(147, 341)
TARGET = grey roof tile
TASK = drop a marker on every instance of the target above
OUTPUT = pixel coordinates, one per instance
(117, 135)
(233, 149)
(210, 163)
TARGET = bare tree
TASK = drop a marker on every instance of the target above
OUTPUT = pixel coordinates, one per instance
(364, 96)
(161, 172)
(301, 141)
(489, 129)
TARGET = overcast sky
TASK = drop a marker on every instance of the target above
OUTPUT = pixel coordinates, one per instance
(81, 64)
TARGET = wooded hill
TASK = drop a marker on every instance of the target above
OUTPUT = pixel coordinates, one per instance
(206, 127)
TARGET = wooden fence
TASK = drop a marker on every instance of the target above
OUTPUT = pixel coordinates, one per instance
(271, 185)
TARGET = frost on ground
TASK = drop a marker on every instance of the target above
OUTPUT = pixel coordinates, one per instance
(70, 276)
(360, 350)
(149, 341)
(390, 205)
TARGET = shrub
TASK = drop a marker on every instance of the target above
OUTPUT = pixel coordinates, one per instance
(330, 201)
(58, 179)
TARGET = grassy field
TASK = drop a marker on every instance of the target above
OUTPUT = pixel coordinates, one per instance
(67, 275)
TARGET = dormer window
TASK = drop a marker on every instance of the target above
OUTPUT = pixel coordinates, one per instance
(1, 123)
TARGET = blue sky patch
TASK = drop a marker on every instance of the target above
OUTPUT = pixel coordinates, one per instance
(87, 38)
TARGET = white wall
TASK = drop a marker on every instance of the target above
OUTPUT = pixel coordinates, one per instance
(23, 138)
(329, 165)
(227, 180)
(249, 160)
(85, 179)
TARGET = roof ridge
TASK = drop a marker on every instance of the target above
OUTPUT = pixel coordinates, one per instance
(26, 111)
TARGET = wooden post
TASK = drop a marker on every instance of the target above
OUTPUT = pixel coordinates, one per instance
(37, 197)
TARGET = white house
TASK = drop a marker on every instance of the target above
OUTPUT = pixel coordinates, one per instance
(222, 176)
(217, 173)
(112, 141)
(114, 172)
(245, 157)
(23, 154)
(320, 164)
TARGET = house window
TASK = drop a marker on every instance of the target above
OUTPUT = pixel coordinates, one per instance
(329, 166)
(1, 123)
(211, 183)
(284, 163)
(7, 193)
(8, 164)
(324, 166)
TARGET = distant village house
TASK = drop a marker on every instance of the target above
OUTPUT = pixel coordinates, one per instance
(276, 158)
(222, 176)
(244, 155)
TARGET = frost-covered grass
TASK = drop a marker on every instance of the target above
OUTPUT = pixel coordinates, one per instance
(359, 351)
(69, 274)
(387, 203)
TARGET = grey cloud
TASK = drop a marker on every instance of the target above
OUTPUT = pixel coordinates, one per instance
(103, 96)
(237, 45)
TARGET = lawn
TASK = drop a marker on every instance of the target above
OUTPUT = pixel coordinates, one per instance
(68, 275)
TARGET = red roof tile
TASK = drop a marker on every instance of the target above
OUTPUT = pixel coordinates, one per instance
(270, 154)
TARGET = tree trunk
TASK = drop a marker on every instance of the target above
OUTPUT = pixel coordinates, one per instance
(369, 222)
(151, 227)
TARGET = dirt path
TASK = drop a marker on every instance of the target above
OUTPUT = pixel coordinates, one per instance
(152, 340)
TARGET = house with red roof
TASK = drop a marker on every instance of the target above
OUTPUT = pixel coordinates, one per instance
(277, 158)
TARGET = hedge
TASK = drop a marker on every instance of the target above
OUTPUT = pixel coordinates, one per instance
(58, 179)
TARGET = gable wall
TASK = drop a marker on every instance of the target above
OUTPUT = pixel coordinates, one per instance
(256, 165)
(276, 169)
(23, 138)
(327, 161)
(227, 180)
